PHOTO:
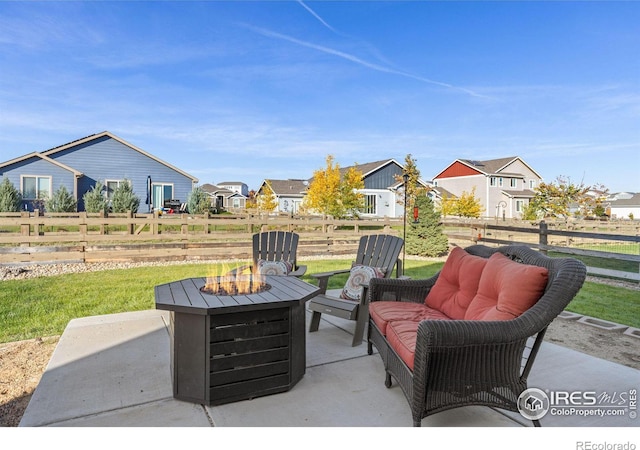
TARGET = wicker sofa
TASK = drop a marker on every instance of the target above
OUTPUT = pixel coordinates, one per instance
(470, 334)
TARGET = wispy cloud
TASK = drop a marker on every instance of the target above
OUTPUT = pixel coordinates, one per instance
(360, 61)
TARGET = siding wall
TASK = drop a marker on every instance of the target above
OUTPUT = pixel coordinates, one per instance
(382, 178)
(107, 159)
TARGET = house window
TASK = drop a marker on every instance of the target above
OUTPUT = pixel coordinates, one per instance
(519, 206)
(514, 182)
(532, 184)
(236, 203)
(36, 187)
(370, 204)
(500, 181)
(111, 186)
(161, 193)
(492, 181)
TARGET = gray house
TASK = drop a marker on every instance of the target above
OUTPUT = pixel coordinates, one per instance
(101, 157)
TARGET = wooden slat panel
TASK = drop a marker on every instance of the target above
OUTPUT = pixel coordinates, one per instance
(249, 359)
(258, 372)
(249, 345)
(250, 389)
(249, 330)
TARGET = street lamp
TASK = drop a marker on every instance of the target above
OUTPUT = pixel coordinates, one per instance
(405, 179)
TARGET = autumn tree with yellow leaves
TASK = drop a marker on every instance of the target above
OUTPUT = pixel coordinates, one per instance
(331, 194)
(266, 199)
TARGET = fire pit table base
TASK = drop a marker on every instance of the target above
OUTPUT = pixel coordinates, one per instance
(229, 353)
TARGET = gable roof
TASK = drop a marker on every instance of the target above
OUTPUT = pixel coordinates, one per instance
(43, 157)
(287, 187)
(621, 199)
(490, 166)
(93, 137)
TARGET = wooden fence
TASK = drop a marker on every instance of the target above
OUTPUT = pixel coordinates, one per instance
(27, 238)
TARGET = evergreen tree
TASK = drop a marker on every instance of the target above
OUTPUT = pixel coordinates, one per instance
(61, 201)
(10, 197)
(198, 201)
(124, 199)
(95, 200)
(426, 238)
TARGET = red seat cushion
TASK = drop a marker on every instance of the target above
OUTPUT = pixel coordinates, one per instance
(401, 336)
(384, 312)
(457, 283)
(506, 289)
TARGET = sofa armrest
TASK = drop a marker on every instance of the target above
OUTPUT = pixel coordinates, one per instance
(400, 289)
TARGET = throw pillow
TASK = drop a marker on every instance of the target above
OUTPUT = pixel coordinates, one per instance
(457, 283)
(359, 275)
(274, 267)
(506, 289)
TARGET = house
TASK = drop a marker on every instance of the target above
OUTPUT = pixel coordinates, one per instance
(288, 193)
(504, 186)
(101, 157)
(623, 205)
(222, 197)
(382, 191)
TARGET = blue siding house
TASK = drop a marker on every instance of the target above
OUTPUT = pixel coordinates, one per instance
(101, 157)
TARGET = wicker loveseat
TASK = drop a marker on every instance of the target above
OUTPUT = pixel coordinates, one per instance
(469, 335)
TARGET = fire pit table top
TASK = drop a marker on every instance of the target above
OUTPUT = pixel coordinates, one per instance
(186, 296)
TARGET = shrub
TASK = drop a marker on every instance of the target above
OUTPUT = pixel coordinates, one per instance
(10, 197)
(61, 201)
(94, 200)
(124, 199)
(426, 238)
(198, 201)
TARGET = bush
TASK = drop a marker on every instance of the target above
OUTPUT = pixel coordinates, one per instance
(198, 202)
(94, 200)
(426, 237)
(61, 201)
(124, 199)
(10, 197)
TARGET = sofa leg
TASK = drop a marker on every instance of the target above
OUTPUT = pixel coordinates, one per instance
(369, 348)
(536, 423)
(387, 380)
(417, 423)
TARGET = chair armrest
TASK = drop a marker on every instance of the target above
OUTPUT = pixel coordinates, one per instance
(323, 278)
(299, 271)
(400, 289)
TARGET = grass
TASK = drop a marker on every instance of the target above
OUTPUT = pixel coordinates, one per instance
(43, 306)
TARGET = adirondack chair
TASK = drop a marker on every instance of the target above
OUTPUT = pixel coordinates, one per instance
(377, 255)
(275, 247)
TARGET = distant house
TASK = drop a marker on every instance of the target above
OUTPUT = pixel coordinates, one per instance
(623, 205)
(237, 187)
(101, 157)
(504, 186)
(289, 194)
(382, 190)
(228, 199)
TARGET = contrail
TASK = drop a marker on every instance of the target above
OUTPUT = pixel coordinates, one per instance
(313, 13)
(357, 60)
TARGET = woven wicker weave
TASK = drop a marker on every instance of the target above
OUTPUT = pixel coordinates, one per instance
(463, 362)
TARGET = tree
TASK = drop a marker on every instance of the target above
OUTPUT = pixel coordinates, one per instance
(331, 194)
(448, 206)
(124, 199)
(468, 205)
(426, 238)
(413, 186)
(198, 201)
(266, 198)
(556, 199)
(94, 200)
(61, 201)
(10, 197)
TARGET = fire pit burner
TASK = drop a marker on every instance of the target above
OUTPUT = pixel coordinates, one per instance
(237, 286)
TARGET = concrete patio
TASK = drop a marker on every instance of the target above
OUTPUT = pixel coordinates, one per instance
(113, 371)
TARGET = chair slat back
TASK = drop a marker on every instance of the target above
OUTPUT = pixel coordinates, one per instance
(379, 250)
(275, 246)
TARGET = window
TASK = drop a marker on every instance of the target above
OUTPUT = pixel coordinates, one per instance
(161, 193)
(500, 180)
(36, 187)
(492, 181)
(111, 186)
(532, 184)
(514, 182)
(519, 206)
(370, 204)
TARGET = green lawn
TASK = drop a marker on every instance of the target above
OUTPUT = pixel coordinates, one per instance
(43, 306)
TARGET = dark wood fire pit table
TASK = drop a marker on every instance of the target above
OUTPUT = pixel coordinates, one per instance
(226, 348)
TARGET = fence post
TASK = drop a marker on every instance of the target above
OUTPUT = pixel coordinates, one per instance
(130, 225)
(25, 228)
(544, 228)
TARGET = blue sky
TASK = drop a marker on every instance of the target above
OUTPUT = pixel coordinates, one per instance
(242, 91)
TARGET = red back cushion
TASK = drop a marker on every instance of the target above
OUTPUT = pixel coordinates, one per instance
(457, 283)
(506, 289)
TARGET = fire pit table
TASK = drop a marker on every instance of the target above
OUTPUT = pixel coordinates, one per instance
(226, 348)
